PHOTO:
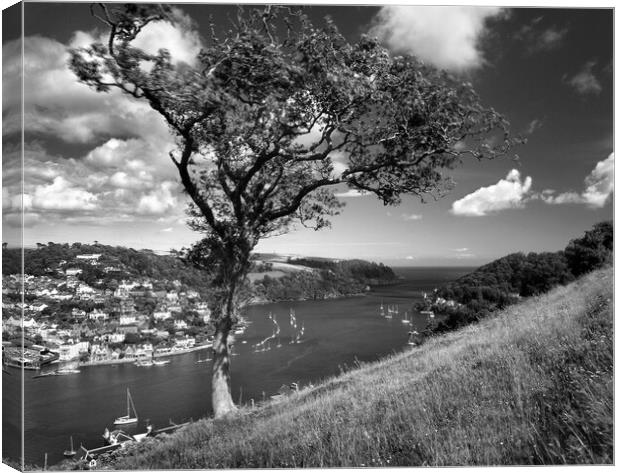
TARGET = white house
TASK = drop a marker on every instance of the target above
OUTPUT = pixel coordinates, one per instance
(180, 324)
(162, 315)
(184, 343)
(115, 337)
(84, 289)
(172, 296)
(98, 315)
(70, 351)
(89, 257)
(126, 319)
(72, 271)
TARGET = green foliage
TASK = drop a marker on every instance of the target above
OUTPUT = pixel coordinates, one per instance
(593, 250)
(504, 281)
(246, 116)
(333, 279)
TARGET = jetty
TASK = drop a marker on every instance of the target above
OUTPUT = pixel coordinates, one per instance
(124, 438)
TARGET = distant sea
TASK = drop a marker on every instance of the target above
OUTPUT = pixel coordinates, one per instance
(337, 333)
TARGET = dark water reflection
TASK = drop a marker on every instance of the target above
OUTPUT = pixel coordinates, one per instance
(337, 332)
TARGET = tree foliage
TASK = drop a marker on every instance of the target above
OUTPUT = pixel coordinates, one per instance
(504, 281)
(266, 120)
(593, 250)
(273, 115)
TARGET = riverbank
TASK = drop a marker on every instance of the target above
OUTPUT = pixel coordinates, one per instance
(530, 385)
(133, 360)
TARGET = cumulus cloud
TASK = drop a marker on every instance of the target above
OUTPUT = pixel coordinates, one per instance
(77, 191)
(411, 217)
(447, 37)
(180, 39)
(60, 195)
(585, 82)
(599, 185)
(159, 201)
(56, 104)
(513, 192)
(508, 193)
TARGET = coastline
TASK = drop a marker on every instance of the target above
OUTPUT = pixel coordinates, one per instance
(133, 360)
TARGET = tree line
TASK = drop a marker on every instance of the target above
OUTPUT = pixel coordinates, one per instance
(331, 278)
(504, 281)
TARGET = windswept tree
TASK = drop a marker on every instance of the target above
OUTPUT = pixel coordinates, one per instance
(273, 117)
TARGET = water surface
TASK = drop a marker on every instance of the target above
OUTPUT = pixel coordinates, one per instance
(337, 333)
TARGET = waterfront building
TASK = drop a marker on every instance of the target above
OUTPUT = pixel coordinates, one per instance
(71, 351)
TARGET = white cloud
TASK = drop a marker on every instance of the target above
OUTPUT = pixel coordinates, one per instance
(409, 257)
(411, 217)
(446, 36)
(167, 230)
(55, 103)
(599, 185)
(181, 40)
(60, 195)
(585, 82)
(508, 193)
(159, 201)
(460, 250)
(351, 193)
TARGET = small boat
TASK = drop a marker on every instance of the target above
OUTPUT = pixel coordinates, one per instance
(46, 374)
(143, 363)
(131, 417)
(428, 313)
(71, 452)
(160, 362)
(66, 371)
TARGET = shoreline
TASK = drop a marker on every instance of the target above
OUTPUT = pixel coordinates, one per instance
(133, 360)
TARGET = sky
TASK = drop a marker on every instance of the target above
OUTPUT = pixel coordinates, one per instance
(96, 166)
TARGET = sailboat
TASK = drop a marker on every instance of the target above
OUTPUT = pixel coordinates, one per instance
(413, 336)
(71, 452)
(406, 319)
(128, 419)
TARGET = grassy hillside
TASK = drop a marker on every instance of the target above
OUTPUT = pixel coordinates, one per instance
(531, 385)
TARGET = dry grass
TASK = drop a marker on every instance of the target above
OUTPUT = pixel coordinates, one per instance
(532, 385)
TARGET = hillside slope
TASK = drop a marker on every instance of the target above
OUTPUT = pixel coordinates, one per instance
(531, 385)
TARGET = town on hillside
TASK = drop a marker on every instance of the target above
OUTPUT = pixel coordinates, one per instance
(97, 304)
(109, 320)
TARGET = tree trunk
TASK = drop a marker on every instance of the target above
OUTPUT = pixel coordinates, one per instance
(220, 383)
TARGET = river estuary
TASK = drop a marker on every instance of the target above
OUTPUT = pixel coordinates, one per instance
(337, 332)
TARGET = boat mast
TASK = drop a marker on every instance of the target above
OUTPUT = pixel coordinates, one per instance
(130, 401)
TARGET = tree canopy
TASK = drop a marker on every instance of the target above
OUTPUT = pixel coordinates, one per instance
(278, 110)
(276, 113)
